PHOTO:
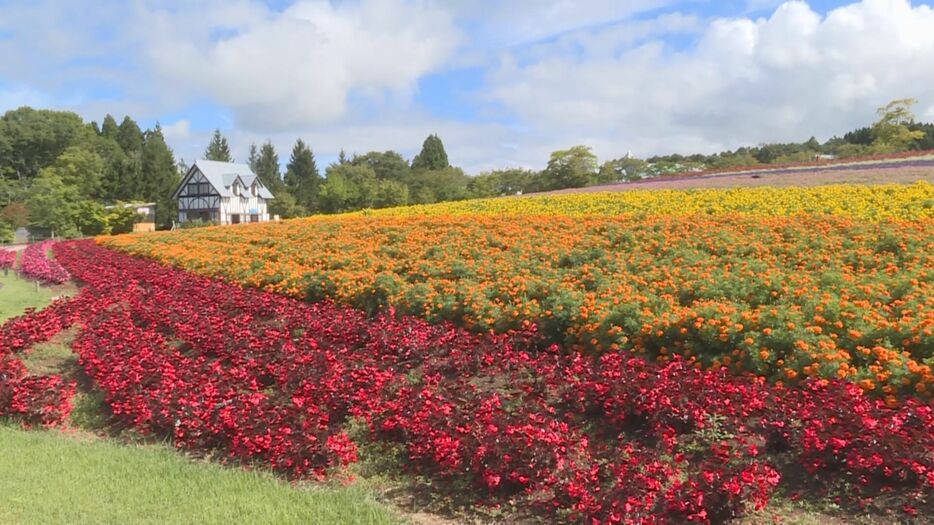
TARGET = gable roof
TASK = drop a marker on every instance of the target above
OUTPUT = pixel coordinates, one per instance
(222, 175)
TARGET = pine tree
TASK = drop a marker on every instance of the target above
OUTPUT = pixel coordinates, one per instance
(342, 158)
(130, 139)
(301, 177)
(218, 149)
(432, 156)
(267, 169)
(129, 136)
(159, 176)
(109, 128)
(253, 158)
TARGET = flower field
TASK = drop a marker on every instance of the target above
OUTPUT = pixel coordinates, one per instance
(254, 376)
(834, 282)
(7, 259)
(35, 265)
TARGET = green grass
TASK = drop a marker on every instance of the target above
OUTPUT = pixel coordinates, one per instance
(17, 294)
(49, 477)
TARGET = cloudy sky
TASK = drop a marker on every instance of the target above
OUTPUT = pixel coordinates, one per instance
(503, 82)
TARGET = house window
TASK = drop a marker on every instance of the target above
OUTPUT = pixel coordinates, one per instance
(253, 189)
(254, 218)
(199, 188)
(235, 218)
(236, 189)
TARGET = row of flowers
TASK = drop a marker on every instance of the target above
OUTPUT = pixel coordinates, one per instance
(855, 161)
(36, 400)
(256, 376)
(786, 298)
(37, 265)
(7, 259)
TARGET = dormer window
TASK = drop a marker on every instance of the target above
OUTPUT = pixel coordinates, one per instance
(236, 189)
(254, 189)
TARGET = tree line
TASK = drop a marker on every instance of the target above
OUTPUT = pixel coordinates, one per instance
(57, 172)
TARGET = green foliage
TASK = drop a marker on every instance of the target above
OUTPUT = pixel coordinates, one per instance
(121, 219)
(53, 205)
(130, 137)
(891, 132)
(6, 232)
(218, 149)
(302, 178)
(622, 169)
(432, 156)
(571, 168)
(390, 193)
(159, 177)
(79, 168)
(387, 165)
(91, 218)
(348, 187)
(32, 139)
(448, 184)
(109, 128)
(266, 167)
(285, 206)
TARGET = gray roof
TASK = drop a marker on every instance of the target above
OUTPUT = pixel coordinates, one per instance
(222, 175)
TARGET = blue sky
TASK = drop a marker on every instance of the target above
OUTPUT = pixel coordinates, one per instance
(503, 83)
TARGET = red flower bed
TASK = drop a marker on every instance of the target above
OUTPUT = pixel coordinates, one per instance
(260, 377)
(7, 259)
(35, 400)
(35, 265)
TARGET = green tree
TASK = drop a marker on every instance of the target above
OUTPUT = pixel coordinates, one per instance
(32, 139)
(285, 206)
(387, 165)
(390, 193)
(91, 218)
(301, 176)
(79, 168)
(54, 205)
(448, 184)
(253, 157)
(130, 137)
(109, 128)
(432, 156)
(891, 132)
(121, 219)
(349, 187)
(267, 169)
(218, 149)
(571, 168)
(159, 177)
(622, 169)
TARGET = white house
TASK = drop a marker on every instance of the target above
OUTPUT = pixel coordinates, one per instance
(223, 192)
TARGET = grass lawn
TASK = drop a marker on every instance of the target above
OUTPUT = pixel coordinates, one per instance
(17, 294)
(49, 477)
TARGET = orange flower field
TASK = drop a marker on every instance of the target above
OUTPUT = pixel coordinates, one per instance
(785, 297)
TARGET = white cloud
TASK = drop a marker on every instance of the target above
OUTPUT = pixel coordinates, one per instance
(279, 71)
(177, 131)
(343, 73)
(784, 77)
